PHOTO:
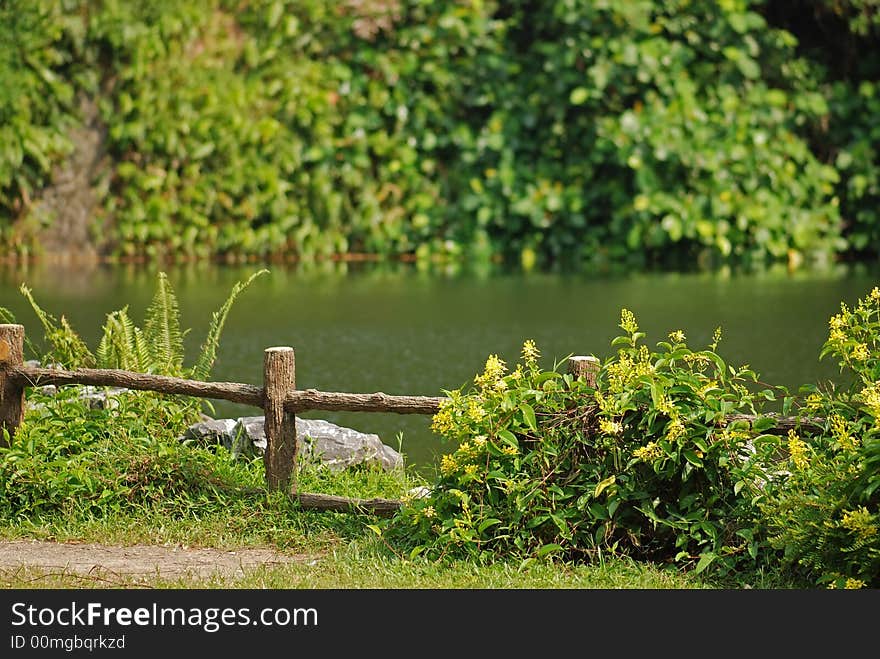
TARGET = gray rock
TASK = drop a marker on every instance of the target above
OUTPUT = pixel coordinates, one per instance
(101, 398)
(420, 492)
(333, 446)
(215, 431)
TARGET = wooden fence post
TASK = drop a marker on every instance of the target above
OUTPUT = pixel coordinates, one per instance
(11, 394)
(586, 366)
(279, 378)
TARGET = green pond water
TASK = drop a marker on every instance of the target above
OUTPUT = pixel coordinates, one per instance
(400, 330)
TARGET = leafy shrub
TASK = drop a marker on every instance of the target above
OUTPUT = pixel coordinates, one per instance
(526, 130)
(644, 464)
(825, 515)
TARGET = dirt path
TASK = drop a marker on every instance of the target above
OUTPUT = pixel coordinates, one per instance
(89, 559)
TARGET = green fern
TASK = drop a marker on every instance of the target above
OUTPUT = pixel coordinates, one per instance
(162, 329)
(208, 353)
(157, 348)
(66, 346)
(123, 345)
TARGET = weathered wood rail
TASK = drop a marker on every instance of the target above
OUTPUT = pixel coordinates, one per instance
(278, 398)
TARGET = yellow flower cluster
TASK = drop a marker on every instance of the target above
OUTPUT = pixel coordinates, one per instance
(626, 369)
(854, 584)
(677, 336)
(628, 321)
(530, 353)
(448, 465)
(875, 294)
(837, 323)
(610, 427)
(442, 422)
(860, 523)
(871, 399)
(471, 469)
(814, 402)
(507, 449)
(651, 451)
(860, 352)
(702, 391)
(840, 430)
(674, 429)
(797, 448)
(475, 411)
(494, 370)
(429, 512)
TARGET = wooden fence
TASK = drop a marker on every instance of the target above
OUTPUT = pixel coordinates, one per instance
(279, 399)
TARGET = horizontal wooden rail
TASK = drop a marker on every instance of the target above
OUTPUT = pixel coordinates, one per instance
(297, 401)
(232, 391)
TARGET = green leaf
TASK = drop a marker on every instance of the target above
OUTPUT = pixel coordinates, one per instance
(529, 415)
(763, 423)
(692, 457)
(705, 561)
(508, 437)
(579, 95)
(486, 523)
(544, 550)
(603, 484)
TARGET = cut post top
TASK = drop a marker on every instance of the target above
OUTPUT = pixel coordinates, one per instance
(279, 349)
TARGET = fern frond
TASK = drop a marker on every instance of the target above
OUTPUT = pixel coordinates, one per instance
(47, 320)
(142, 351)
(117, 348)
(208, 353)
(65, 345)
(162, 330)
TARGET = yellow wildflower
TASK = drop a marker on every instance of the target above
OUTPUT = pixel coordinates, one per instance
(674, 429)
(814, 402)
(875, 294)
(493, 371)
(854, 584)
(448, 465)
(651, 451)
(470, 470)
(430, 512)
(507, 449)
(797, 448)
(530, 353)
(442, 422)
(628, 321)
(677, 336)
(860, 352)
(860, 522)
(610, 427)
(475, 411)
(840, 430)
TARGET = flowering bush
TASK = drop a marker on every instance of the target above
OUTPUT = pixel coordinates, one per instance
(825, 515)
(643, 463)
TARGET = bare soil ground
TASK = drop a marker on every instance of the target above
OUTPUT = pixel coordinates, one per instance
(168, 562)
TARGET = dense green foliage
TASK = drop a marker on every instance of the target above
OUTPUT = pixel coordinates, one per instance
(825, 515)
(553, 129)
(640, 465)
(649, 463)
